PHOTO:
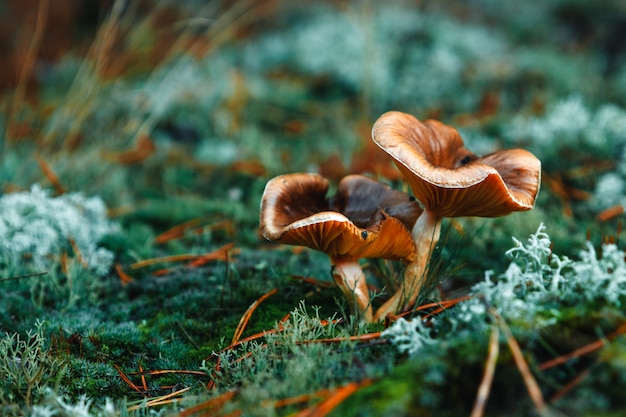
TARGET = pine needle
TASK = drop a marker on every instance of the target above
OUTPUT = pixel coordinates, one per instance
(50, 174)
(570, 385)
(531, 384)
(78, 253)
(171, 371)
(143, 379)
(143, 149)
(243, 322)
(588, 348)
(313, 281)
(324, 392)
(127, 380)
(490, 366)
(610, 213)
(359, 338)
(166, 399)
(331, 402)
(177, 231)
(220, 254)
(164, 259)
(162, 400)
(256, 336)
(124, 277)
(442, 306)
(213, 405)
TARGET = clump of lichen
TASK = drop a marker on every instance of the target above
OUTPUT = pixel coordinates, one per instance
(28, 368)
(37, 228)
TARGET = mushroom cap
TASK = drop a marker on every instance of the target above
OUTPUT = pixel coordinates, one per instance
(450, 180)
(359, 198)
(353, 224)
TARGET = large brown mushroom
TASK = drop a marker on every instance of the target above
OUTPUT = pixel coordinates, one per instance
(365, 219)
(450, 181)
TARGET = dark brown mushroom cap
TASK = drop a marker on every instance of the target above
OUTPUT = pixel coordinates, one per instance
(450, 180)
(295, 211)
(359, 198)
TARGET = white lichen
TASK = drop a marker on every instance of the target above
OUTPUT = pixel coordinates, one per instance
(37, 227)
(538, 280)
(609, 191)
(408, 336)
(568, 123)
(56, 405)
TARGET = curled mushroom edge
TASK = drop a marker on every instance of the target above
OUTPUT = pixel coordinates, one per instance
(449, 181)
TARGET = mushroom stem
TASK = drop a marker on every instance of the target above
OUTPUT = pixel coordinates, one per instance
(350, 279)
(426, 232)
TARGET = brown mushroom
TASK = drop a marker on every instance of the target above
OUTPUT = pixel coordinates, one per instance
(365, 219)
(450, 181)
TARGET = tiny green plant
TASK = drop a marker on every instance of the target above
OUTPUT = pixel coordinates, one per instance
(27, 367)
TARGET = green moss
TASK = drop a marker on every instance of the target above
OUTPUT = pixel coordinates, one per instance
(284, 93)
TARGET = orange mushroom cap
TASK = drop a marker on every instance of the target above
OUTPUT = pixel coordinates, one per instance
(450, 180)
(355, 223)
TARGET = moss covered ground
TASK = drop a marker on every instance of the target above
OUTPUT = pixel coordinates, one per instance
(137, 138)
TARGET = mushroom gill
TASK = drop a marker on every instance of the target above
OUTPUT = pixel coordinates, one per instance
(358, 222)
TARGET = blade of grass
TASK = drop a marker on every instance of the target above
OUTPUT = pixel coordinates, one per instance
(218, 33)
(187, 335)
(78, 102)
(37, 274)
(27, 69)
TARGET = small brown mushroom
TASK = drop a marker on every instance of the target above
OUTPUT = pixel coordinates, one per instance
(450, 181)
(365, 219)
